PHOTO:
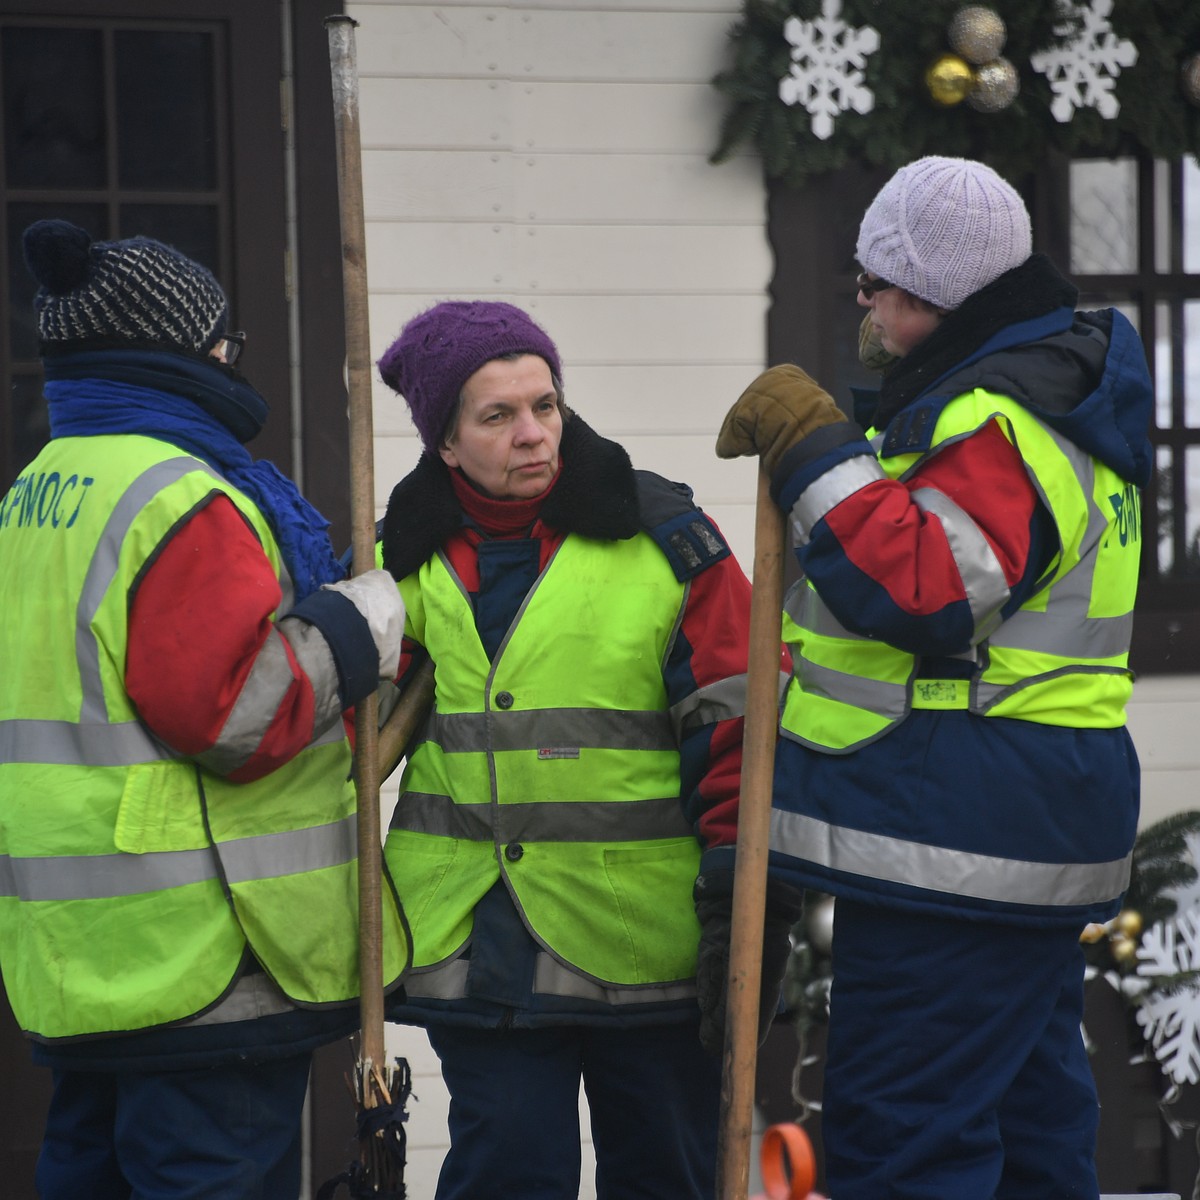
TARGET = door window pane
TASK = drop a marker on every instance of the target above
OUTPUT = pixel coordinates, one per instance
(190, 228)
(1191, 216)
(1104, 212)
(53, 107)
(1191, 516)
(165, 110)
(1163, 371)
(1191, 362)
(1165, 513)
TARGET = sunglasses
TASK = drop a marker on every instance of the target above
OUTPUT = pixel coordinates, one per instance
(869, 286)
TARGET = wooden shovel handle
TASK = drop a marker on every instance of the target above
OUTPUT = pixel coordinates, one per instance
(754, 831)
(402, 722)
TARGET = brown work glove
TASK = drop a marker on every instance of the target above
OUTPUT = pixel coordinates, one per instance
(871, 353)
(780, 408)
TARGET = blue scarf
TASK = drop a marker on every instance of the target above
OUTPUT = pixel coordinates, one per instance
(207, 410)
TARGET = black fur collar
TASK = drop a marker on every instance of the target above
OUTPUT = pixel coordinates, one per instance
(596, 496)
(1034, 289)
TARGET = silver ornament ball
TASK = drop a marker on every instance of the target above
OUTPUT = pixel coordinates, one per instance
(1189, 75)
(996, 86)
(977, 33)
(818, 924)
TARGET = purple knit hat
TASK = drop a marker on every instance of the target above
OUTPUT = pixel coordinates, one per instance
(441, 348)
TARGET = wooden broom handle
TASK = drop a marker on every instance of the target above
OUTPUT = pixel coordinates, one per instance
(344, 75)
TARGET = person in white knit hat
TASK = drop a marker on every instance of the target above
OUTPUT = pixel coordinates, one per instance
(953, 762)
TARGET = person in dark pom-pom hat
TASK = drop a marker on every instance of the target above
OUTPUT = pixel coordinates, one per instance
(569, 874)
(179, 647)
(954, 764)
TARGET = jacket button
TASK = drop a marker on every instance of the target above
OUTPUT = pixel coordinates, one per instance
(513, 851)
(504, 700)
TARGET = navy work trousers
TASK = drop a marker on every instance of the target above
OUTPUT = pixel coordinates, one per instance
(653, 1094)
(956, 1068)
(225, 1133)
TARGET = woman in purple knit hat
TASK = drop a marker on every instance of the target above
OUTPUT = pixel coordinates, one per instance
(563, 840)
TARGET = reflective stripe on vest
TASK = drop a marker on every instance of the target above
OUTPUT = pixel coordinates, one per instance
(1061, 659)
(104, 876)
(468, 733)
(917, 864)
(573, 821)
(448, 981)
(563, 780)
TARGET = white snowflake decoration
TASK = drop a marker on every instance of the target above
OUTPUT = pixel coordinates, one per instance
(1172, 1022)
(826, 75)
(1082, 73)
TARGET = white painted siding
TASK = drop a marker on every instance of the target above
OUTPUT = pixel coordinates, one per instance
(1164, 719)
(553, 153)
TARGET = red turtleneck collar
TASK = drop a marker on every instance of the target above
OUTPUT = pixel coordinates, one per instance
(499, 518)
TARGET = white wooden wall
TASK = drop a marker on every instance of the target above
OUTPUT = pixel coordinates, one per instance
(1164, 719)
(553, 153)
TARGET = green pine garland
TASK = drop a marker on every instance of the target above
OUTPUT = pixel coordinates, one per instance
(905, 123)
(1162, 864)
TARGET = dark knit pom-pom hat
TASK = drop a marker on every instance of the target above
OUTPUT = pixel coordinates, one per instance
(441, 348)
(132, 292)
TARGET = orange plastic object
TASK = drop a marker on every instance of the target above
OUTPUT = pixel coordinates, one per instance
(789, 1169)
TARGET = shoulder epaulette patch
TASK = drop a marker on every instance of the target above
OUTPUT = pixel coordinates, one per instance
(686, 536)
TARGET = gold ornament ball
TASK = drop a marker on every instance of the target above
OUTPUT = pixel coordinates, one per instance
(1122, 948)
(996, 86)
(977, 33)
(949, 79)
(1189, 75)
(1128, 922)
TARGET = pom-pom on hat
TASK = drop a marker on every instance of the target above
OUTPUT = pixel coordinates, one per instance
(441, 348)
(132, 292)
(942, 228)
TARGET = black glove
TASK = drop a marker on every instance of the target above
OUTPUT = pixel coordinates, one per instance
(714, 907)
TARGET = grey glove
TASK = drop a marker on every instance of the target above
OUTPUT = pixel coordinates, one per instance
(375, 595)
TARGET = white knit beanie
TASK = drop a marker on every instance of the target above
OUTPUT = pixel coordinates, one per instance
(942, 228)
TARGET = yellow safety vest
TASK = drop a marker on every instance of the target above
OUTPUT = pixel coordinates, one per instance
(1061, 659)
(132, 880)
(554, 767)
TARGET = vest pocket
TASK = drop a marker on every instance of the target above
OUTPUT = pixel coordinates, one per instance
(438, 881)
(653, 890)
(159, 809)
